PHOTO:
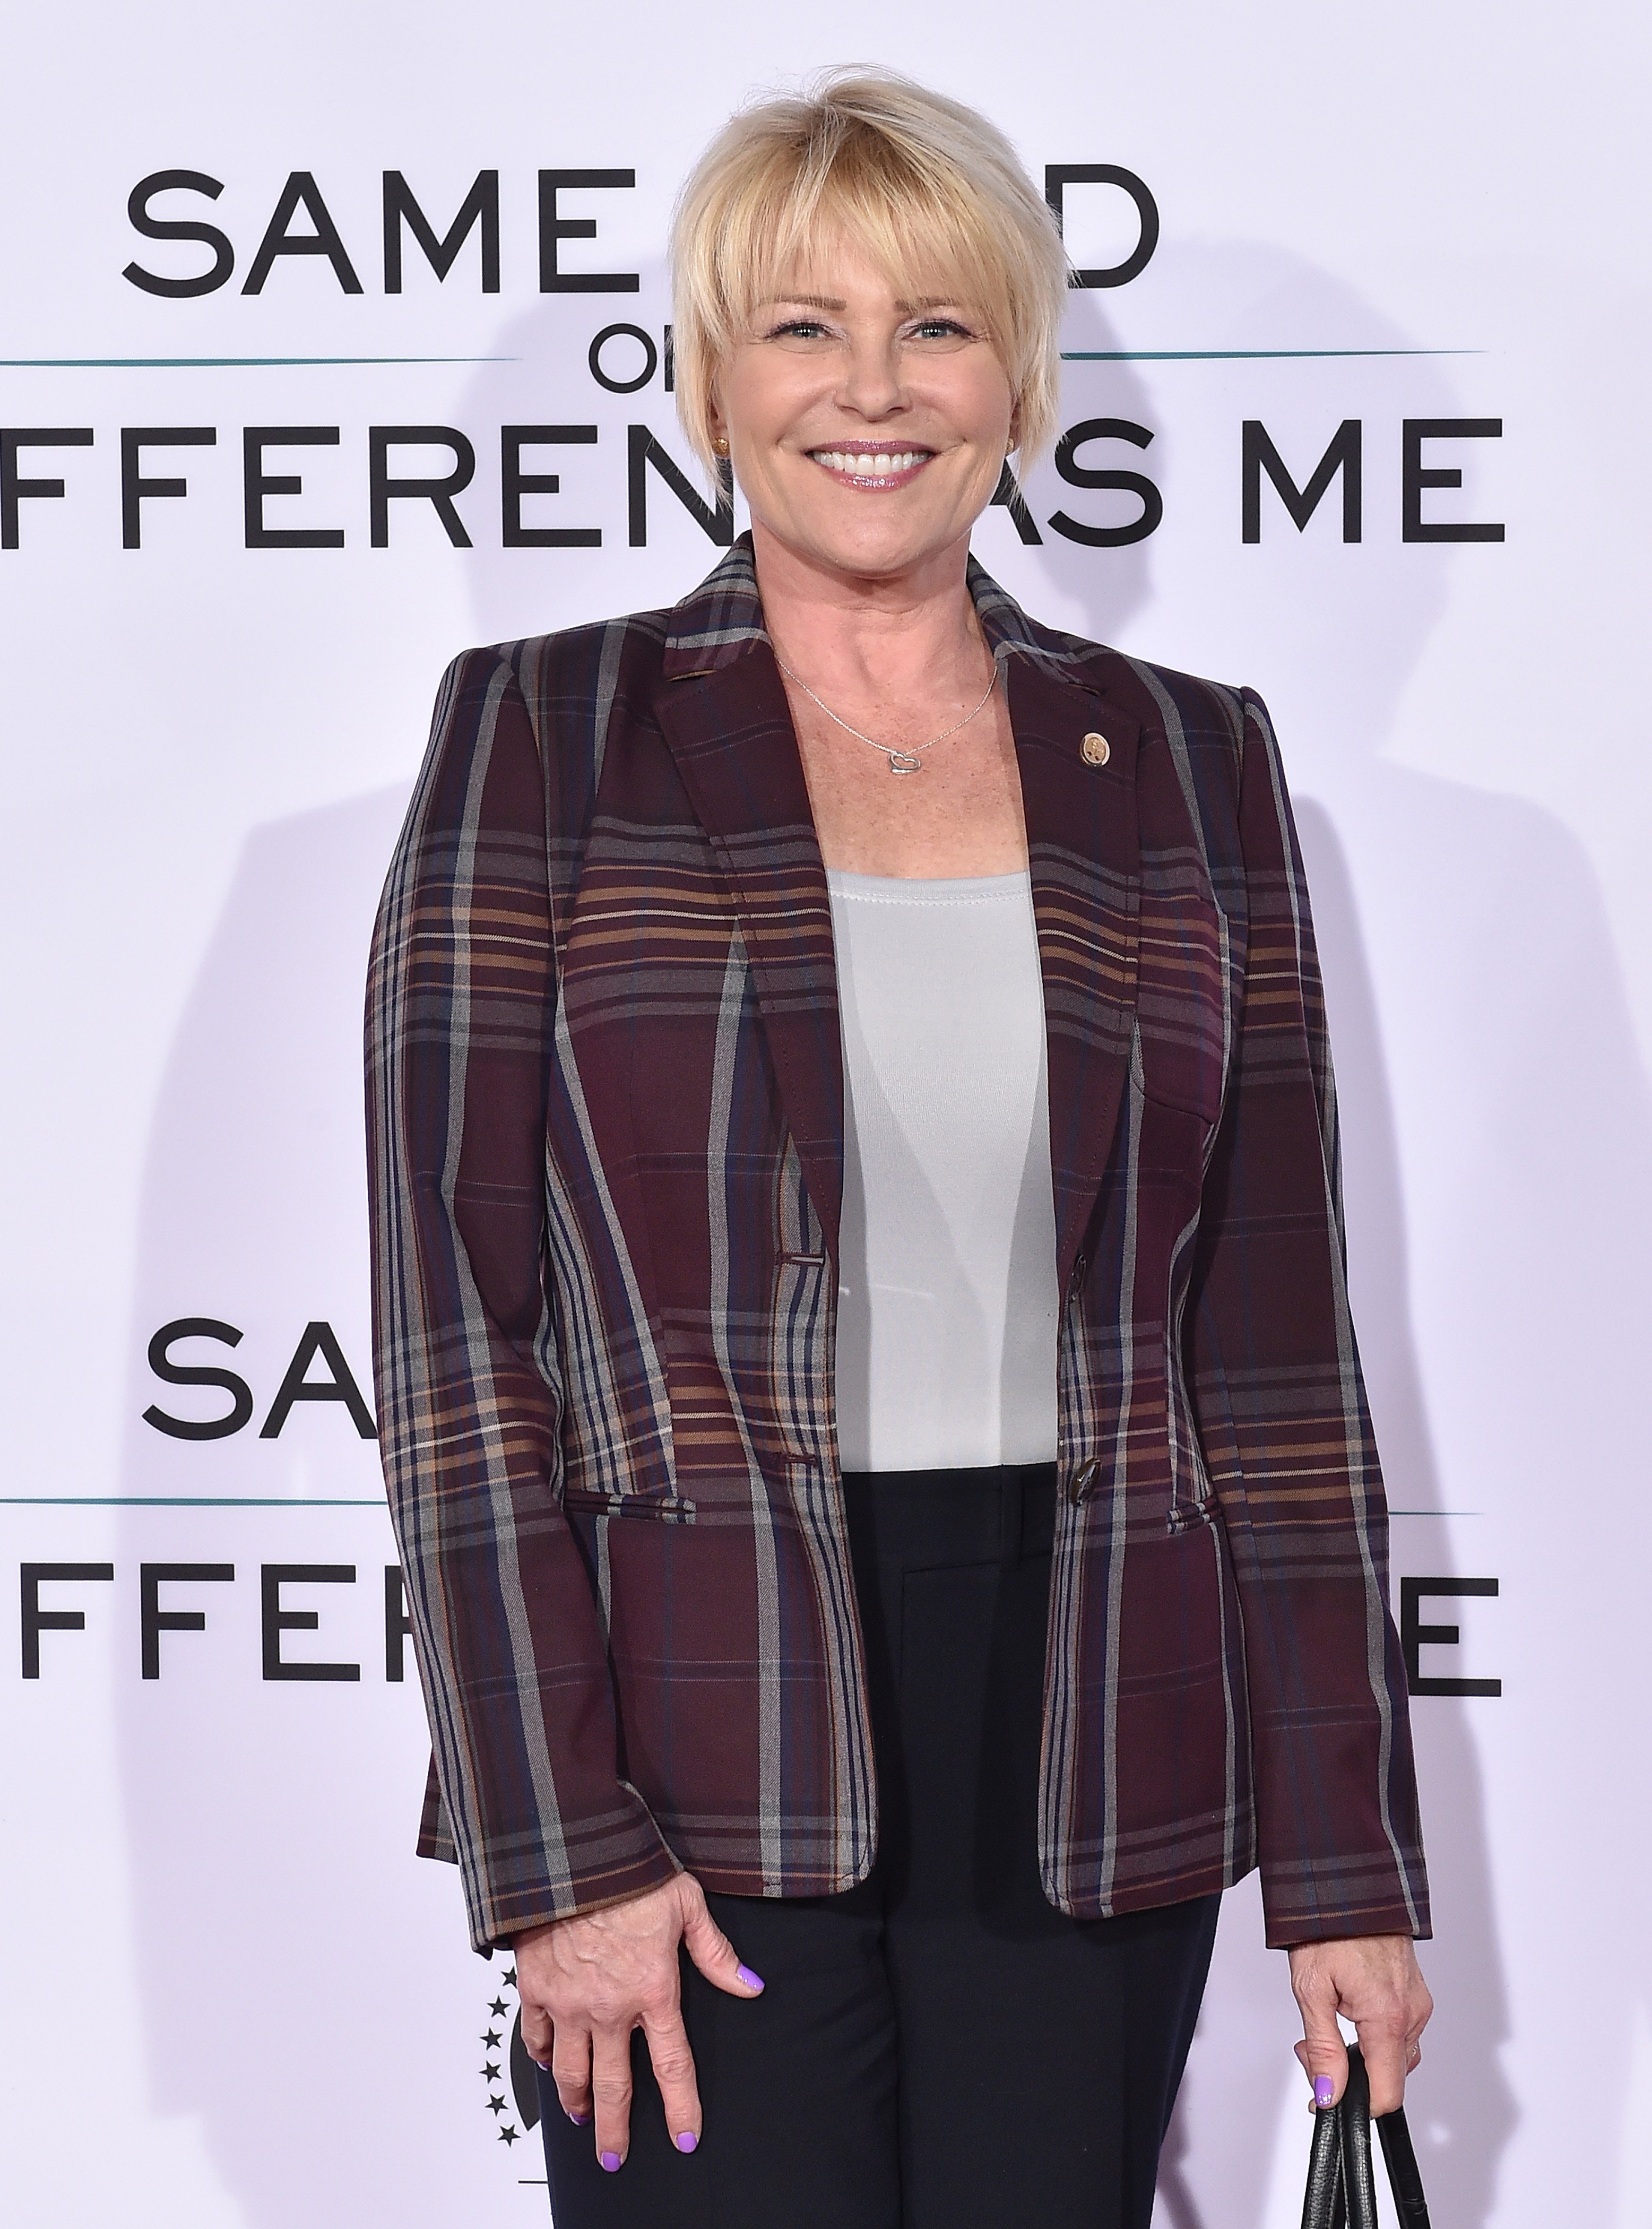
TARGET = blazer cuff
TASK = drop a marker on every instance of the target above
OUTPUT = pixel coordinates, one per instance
(1332, 1899)
(507, 1893)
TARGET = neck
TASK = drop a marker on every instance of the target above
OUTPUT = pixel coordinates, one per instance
(840, 628)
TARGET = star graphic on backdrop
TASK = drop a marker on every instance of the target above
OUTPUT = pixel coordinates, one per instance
(490, 2041)
(510, 1977)
(491, 2071)
(498, 2009)
(507, 2135)
(496, 2105)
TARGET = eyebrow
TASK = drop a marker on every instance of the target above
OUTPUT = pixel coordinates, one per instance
(836, 302)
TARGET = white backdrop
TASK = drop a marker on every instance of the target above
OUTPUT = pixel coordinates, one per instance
(233, 1999)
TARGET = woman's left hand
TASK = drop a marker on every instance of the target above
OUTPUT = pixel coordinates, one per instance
(1375, 1982)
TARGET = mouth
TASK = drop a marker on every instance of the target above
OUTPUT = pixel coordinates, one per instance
(873, 468)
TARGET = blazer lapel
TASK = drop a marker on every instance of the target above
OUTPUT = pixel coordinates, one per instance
(1084, 850)
(725, 717)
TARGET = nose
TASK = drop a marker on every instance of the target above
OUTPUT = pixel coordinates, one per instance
(871, 386)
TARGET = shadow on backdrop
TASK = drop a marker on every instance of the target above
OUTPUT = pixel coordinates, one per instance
(270, 1825)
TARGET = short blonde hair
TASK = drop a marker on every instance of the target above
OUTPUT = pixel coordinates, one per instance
(922, 183)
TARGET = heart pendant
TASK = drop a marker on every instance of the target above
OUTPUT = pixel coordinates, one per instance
(905, 762)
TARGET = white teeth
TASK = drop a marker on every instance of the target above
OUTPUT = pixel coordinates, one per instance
(879, 464)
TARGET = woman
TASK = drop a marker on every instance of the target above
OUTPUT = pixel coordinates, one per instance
(866, 1382)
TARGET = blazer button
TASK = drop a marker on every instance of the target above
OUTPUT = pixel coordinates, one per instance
(1081, 1486)
(1097, 750)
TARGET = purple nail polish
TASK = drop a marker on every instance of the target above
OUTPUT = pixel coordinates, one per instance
(580, 2119)
(610, 2162)
(752, 1981)
(687, 2141)
(1324, 2090)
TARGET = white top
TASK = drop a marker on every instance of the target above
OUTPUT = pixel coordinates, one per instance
(947, 1295)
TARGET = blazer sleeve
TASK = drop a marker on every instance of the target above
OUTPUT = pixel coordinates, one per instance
(1287, 1435)
(506, 1626)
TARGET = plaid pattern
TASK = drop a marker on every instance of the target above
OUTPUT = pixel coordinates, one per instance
(606, 1117)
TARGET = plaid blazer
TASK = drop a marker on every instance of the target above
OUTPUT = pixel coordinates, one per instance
(606, 1133)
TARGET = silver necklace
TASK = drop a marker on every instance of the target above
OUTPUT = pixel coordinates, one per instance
(899, 761)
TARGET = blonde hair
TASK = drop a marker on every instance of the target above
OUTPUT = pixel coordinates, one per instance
(921, 183)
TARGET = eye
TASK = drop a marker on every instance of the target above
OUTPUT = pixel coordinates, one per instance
(802, 329)
(941, 329)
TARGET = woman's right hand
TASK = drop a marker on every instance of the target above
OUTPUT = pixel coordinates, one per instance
(585, 1982)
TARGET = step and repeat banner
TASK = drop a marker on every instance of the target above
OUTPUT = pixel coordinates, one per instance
(336, 339)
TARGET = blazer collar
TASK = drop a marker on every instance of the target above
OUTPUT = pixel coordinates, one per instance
(725, 714)
(717, 622)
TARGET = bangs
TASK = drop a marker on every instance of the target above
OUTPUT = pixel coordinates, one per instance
(926, 241)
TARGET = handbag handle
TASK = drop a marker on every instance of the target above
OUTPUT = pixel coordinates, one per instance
(1342, 2178)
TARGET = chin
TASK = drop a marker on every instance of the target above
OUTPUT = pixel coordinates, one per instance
(880, 554)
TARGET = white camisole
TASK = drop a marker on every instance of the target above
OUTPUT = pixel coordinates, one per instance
(946, 1281)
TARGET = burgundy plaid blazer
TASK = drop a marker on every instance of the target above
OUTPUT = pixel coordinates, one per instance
(606, 1127)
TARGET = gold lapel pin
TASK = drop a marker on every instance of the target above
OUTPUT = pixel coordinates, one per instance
(1097, 750)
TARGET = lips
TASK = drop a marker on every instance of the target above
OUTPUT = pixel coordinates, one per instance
(872, 467)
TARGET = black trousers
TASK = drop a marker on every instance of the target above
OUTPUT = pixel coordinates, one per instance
(938, 2047)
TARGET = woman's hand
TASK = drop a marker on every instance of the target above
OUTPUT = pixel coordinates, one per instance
(1374, 1981)
(587, 1981)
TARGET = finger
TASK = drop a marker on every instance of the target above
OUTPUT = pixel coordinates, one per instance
(611, 2095)
(570, 2070)
(1316, 2104)
(536, 2034)
(710, 1949)
(1322, 2053)
(1385, 2054)
(673, 2066)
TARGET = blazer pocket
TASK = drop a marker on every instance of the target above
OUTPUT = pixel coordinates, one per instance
(1177, 1061)
(1182, 1004)
(669, 1508)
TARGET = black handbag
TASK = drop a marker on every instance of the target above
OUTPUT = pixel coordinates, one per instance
(1341, 2180)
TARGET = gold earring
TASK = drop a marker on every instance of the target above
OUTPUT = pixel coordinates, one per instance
(720, 443)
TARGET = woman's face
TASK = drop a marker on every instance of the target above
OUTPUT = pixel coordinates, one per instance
(867, 432)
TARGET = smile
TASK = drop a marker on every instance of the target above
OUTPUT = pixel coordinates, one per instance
(873, 468)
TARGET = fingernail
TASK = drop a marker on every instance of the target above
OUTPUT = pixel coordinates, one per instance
(1324, 2090)
(687, 2141)
(752, 1981)
(610, 2162)
(580, 2119)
